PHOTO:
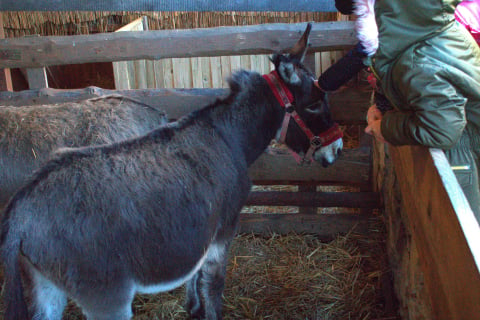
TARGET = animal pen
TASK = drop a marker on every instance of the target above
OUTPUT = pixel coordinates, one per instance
(430, 239)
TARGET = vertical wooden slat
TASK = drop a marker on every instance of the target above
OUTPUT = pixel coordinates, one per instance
(318, 64)
(326, 60)
(182, 73)
(307, 210)
(120, 75)
(309, 61)
(140, 74)
(235, 63)
(216, 72)
(37, 78)
(5, 76)
(226, 65)
(167, 65)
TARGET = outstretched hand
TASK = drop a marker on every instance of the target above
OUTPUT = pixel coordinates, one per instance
(374, 120)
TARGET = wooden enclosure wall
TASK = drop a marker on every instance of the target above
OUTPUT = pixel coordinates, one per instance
(433, 237)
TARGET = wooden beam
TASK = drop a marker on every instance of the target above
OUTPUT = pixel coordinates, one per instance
(352, 168)
(37, 78)
(34, 52)
(177, 5)
(444, 229)
(5, 76)
(5, 80)
(347, 106)
(324, 225)
(315, 199)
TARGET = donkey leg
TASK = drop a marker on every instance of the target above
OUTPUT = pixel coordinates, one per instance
(213, 280)
(194, 304)
(48, 300)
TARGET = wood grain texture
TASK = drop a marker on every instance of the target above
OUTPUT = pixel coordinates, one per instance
(34, 52)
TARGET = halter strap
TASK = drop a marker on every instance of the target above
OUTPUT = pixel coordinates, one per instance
(279, 89)
(285, 97)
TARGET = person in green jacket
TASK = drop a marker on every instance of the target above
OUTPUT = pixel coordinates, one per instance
(428, 67)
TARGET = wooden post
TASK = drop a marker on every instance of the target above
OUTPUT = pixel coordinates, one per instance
(5, 76)
(307, 188)
(37, 78)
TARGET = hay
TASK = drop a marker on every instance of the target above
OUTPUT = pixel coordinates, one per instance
(289, 277)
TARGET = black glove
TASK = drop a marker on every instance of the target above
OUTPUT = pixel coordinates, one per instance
(344, 6)
(343, 70)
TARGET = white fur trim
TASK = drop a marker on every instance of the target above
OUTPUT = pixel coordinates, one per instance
(366, 26)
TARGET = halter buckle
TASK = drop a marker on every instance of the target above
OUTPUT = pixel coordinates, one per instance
(316, 142)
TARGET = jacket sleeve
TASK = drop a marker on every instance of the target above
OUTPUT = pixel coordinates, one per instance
(432, 112)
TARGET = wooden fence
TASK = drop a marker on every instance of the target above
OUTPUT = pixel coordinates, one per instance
(352, 170)
(197, 72)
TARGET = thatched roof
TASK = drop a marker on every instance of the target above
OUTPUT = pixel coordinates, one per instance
(17, 24)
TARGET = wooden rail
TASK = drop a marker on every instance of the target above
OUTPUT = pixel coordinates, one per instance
(36, 52)
(347, 106)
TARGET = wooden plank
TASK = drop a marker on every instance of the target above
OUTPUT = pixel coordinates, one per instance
(347, 106)
(216, 72)
(37, 78)
(5, 75)
(131, 45)
(163, 73)
(323, 225)
(150, 73)
(177, 5)
(315, 199)
(132, 74)
(352, 168)
(305, 191)
(235, 62)
(226, 65)
(6, 80)
(120, 75)
(182, 73)
(444, 230)
(326, 60)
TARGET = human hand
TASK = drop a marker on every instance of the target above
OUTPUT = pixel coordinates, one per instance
(374, 120)
(373, 114)
(374, 129)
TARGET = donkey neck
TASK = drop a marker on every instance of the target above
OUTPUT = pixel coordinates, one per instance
(250, 122)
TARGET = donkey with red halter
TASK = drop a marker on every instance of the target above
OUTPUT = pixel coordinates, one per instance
(99, 224)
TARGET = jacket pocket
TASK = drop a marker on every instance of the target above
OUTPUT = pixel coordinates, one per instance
(464, 175)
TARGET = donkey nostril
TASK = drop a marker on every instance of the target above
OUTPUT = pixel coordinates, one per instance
(325, 163)
(339, 152)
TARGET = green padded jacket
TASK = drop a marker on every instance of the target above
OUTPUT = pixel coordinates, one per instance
(429, 68)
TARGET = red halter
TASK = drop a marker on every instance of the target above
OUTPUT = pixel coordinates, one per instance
(285, 97)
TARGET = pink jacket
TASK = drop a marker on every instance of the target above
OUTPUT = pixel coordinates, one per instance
(468, 14)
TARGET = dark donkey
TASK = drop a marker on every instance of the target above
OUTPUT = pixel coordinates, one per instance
(30, 134)
(100, 224)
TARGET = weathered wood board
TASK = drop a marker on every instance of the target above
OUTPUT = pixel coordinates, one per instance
(34, 52)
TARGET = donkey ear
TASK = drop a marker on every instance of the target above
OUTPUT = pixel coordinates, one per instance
(300, 48)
